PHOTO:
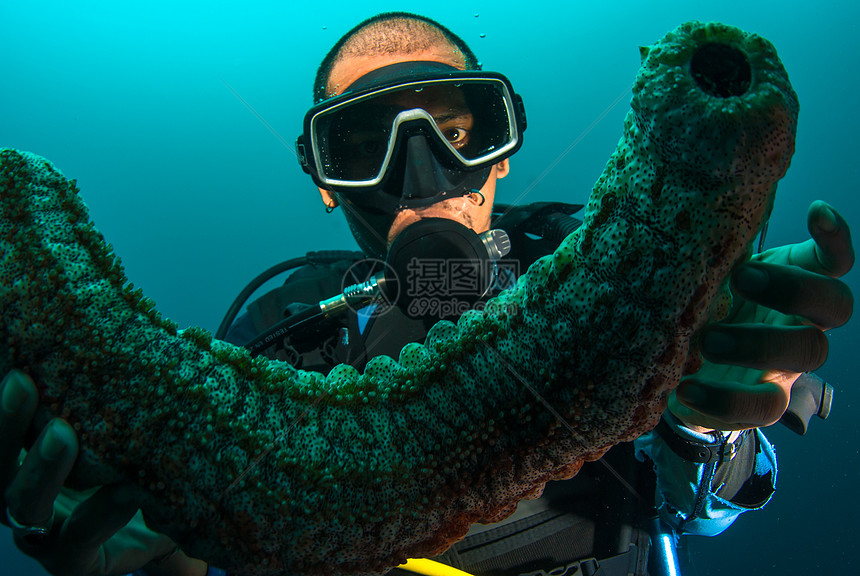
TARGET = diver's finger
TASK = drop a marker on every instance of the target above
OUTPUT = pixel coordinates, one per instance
(763, 347)
(18, 399)
(830, 251)
(734, 405)
(31, 494)
(822, 300)
(690, 417)
(99, 517)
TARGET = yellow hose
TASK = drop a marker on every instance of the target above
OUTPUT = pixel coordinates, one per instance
(431, 568)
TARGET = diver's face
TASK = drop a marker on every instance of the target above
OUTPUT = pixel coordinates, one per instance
(471, 211)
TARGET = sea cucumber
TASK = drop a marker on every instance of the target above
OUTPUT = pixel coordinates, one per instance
(262, 469)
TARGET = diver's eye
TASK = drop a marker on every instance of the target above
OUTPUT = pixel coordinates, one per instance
(369, 148)
(458, 137)
(363, 144)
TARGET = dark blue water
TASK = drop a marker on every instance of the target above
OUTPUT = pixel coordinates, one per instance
(198, 195)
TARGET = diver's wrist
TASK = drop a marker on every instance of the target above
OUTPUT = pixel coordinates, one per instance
(701, 446)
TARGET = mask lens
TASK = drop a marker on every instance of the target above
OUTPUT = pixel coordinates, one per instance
(353, 142)
(492, 120)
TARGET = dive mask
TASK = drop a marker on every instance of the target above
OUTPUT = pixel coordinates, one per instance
(470, 120)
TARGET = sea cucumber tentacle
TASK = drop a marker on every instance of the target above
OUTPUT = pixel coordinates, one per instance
(263, 469)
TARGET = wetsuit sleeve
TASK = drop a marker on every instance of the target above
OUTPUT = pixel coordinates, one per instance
(704, 498)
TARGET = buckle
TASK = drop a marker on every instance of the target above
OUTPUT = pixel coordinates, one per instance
(731, 449)
(698, 452)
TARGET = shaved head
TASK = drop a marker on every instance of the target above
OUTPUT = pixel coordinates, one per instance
(392, 33)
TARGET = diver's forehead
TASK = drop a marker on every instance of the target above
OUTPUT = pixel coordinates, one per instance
(350, 68)
(428, 98)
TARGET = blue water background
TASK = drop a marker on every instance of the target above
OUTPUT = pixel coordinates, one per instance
(198, 195)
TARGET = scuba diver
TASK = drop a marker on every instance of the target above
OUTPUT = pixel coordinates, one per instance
(410, 138)
(411, 144)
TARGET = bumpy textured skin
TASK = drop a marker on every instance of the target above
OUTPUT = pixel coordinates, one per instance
(265, 470)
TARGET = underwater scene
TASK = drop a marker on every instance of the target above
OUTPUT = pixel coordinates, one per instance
(179, 121)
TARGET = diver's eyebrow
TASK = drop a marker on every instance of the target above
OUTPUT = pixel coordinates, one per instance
(453, 114)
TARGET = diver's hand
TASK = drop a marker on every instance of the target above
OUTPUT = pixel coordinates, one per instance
(784, 300)
(91, 534)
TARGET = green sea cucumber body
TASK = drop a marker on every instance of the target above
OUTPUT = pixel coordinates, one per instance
(262, 469)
